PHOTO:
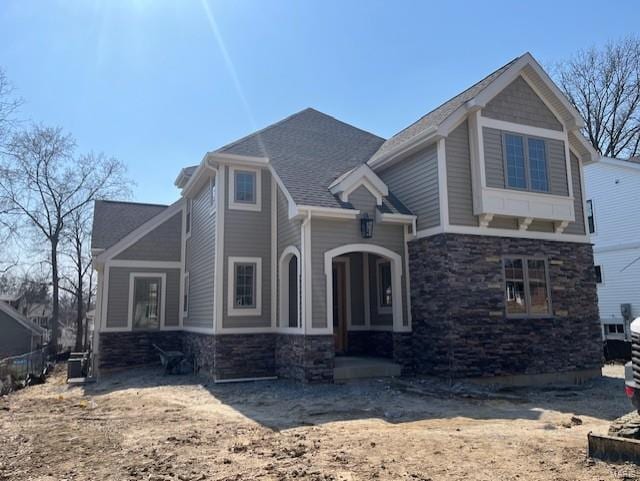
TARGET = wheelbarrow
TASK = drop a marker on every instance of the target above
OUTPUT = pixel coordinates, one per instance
(171, 360)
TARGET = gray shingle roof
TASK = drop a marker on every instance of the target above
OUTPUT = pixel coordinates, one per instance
(439, 114)
(113, 220)
(309, 150)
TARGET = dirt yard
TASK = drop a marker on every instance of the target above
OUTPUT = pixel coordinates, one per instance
(141, 425)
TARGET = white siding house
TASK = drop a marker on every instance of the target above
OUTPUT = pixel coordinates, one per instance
(613, 194)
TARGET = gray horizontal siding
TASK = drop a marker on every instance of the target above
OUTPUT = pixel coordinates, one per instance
(576, 227)
(161, 244)
(518, 103)
(494, 162)
(459, 184)
(328, 234)
(414, 181)
(248, 234)
(118, 302)
(200, 261)
(15, 339)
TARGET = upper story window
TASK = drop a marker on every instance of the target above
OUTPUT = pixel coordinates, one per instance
(526, 163)
(526, 287)
(244, 189)
(590, 218)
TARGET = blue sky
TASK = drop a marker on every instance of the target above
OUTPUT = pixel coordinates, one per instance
(159, 83)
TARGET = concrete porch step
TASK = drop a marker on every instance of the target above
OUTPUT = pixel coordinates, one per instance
(355, 367)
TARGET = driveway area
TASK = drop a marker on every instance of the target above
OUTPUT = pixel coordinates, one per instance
(141, 425)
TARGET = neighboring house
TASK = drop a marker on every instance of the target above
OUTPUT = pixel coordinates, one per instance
(458, 247)
(613, 215)
(18, 335)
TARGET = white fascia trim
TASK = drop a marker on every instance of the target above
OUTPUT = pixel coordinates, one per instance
(329, 212)
(141, 231)
(233, 205)
(163, 295)
(427, 136)
(233, 311)
(489, 231)
(361, 176)
(144, 264)
(292, 208)
(248, 160)
(522, 129)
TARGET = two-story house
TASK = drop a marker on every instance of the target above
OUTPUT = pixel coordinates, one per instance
(458, 247)
(613, 209)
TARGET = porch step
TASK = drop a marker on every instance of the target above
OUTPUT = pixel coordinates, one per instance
(352, 367)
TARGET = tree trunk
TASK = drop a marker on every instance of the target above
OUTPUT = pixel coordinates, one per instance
(79, 305)
(55, 312)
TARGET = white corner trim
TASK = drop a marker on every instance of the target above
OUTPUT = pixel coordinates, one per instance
(283, 280)
(233, 205)
(443, 188)
(232, 310)
(140, 232)
(382, 309)
(274, 255)
(163, 295)
(307, 302)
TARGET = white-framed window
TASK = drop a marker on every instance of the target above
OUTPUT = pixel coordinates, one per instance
(185, 296)
(383, 286)
(244, 286)
(187, 222)
(525, 162)
(147, 300)
(245, 188)
(591, 221)
(527, 292)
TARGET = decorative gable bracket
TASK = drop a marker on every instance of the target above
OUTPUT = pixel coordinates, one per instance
(344, 185)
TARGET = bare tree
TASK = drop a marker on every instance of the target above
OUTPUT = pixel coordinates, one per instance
(45, 182)
(604, 85)
(78, 277)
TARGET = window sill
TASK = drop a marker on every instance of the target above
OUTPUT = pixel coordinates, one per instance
(525, 204)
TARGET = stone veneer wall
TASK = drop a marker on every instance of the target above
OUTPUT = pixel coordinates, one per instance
(135, 348)
(308, 359)
(201, 347)
(459, 326)
(239, 356)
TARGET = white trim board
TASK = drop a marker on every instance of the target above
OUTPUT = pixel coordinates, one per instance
(235, 205)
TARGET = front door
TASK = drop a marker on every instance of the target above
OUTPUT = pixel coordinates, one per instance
(339, 308)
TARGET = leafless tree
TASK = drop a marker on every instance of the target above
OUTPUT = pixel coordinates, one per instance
(604, 85)
(45, 182)
(78, 277)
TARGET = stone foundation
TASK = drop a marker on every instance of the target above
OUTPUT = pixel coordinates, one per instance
(201, 347)
(135, 348)
(307, 359)
(241, 356)
(459, 323)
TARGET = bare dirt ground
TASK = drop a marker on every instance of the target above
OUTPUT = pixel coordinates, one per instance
(141, 425)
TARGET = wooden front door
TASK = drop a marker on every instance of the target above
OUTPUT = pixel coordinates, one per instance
(339, 307)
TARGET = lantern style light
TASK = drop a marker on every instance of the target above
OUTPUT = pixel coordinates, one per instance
(366, 226)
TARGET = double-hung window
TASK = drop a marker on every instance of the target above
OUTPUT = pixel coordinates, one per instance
(525, 160)
(526, 287)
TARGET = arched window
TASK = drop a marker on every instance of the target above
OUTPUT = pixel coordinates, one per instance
(289, 289)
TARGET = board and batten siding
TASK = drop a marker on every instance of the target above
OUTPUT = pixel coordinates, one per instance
(329, 234)
(118, 302)
(414, 181)
(200, 260)
(161, 244)
(518, 103)
(248, 234)
(495, 162)
(459, 186)
(288, 234)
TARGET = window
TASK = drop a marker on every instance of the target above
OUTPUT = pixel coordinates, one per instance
(526, 287)
(244, 189)
(590, 218)
(185, 296)
(385, 296)
(598, 270)
(245, 291)
(526, 168)
(146, 302)
(187, 228)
